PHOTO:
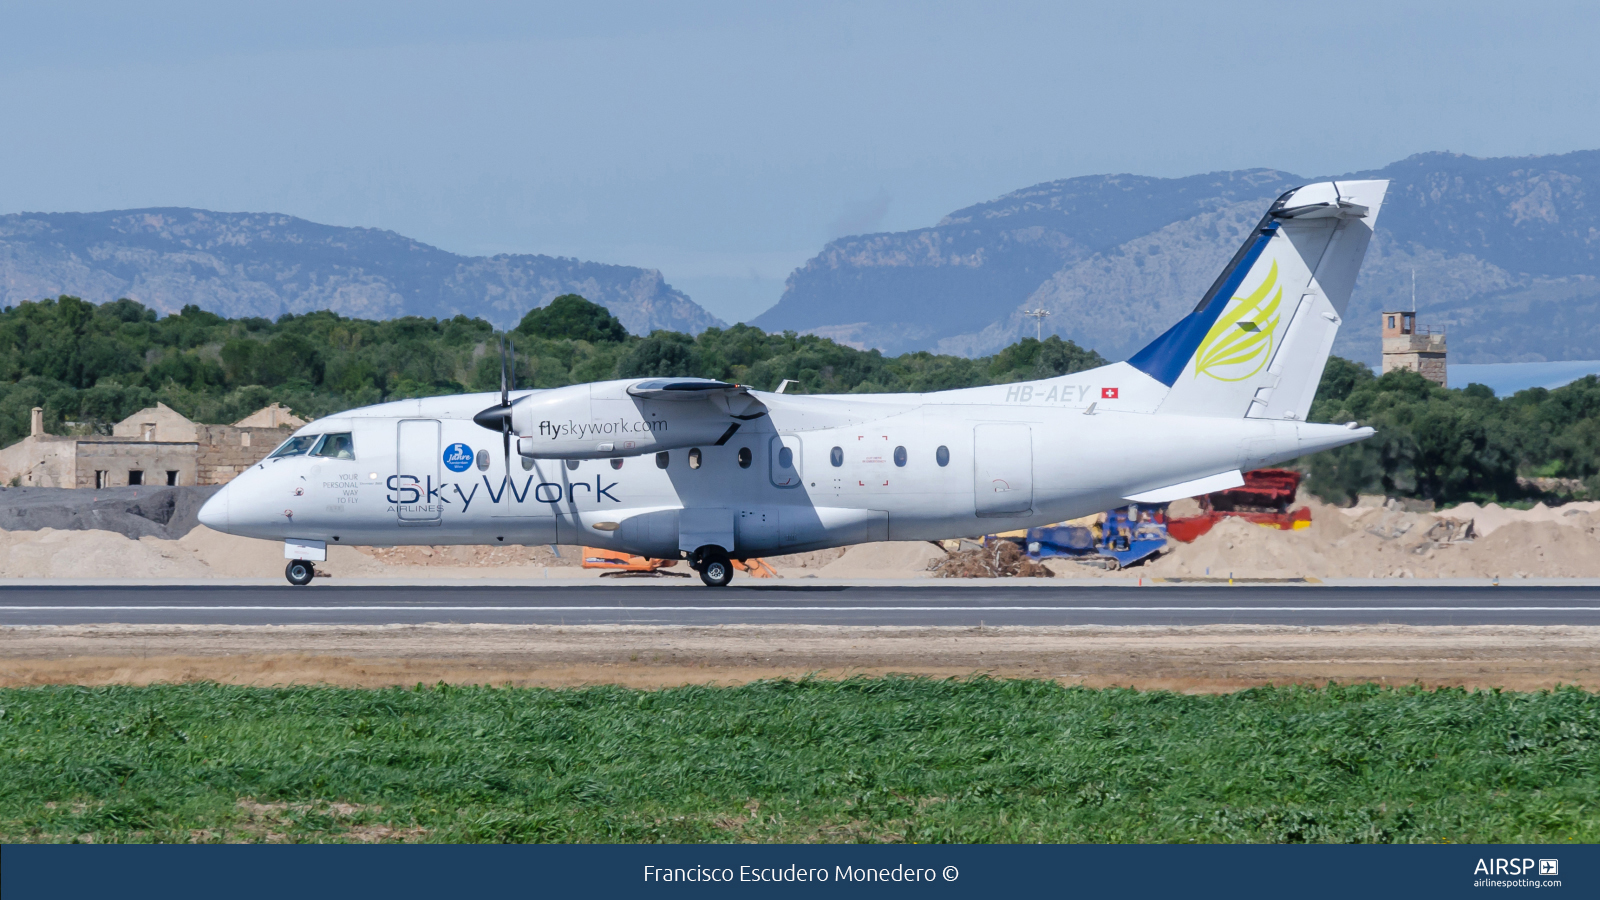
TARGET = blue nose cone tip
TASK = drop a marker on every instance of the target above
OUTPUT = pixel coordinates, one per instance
(214, 514)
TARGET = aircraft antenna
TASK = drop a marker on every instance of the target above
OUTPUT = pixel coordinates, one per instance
(1038, 316)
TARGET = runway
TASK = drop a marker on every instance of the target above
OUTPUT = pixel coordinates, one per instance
(790, 604)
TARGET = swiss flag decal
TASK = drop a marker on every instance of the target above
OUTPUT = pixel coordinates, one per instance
(1108, 393)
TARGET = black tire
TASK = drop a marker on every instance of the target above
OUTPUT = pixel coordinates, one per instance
(716, 570)
(299, 572)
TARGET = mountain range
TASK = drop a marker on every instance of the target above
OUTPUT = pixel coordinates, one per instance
(263, 264)
(1504, 253)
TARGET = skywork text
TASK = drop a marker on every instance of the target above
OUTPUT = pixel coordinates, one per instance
(409, 489)
(579, 430)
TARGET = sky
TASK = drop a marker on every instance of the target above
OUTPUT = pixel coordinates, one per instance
(725, 144)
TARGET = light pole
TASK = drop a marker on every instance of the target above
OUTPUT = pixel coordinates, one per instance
(1038, 316)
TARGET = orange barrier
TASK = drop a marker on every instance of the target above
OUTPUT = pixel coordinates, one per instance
(757, 568)
(597, 558)
(612, 560)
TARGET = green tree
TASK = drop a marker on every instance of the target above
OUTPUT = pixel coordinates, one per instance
(573, 318)
(94, 365)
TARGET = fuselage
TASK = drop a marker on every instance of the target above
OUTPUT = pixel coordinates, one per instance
(707, 470)
(801, 473)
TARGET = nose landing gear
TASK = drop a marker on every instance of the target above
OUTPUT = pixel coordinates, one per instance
(299, 572)
(712, 562)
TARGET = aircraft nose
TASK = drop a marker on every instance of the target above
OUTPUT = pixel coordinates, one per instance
(214, 514)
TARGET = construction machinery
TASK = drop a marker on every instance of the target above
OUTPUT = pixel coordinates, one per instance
(1115, 539)
(1264, 498)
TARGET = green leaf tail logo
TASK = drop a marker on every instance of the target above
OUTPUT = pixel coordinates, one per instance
(1243, 335)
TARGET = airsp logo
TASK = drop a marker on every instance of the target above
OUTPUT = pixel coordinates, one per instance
(1515, 867)
(457, 457)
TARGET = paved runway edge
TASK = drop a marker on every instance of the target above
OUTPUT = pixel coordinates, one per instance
(909, 605)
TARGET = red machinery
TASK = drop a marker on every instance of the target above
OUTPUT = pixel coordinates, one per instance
(1264, 499)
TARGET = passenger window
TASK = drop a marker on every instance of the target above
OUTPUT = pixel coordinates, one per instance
(900, 456)
(836, 457)
(527, 464)
(694, 458)
(572, 464)
(744, 457)
(663, 459)
(483, 461)
(295, 446)
(616, 464)
(942, 456)
(786, 458)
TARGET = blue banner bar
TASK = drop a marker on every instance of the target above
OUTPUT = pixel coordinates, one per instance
(303, 872)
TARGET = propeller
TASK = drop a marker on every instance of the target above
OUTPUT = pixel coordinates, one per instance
(498, 417)
(505, 400)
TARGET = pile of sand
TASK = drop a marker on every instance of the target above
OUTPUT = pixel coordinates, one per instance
(883, 559)
(1488, 519)
(800, 564)
(202, 553)
(1383, 543)
(1375, 541)
(48, 553)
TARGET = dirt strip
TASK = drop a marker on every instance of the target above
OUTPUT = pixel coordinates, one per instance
(1198, 660)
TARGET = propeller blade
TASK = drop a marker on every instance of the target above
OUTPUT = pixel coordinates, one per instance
(505, 395)
(505, 434)
(505, 400)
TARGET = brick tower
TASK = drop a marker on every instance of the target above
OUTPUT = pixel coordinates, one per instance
(1405, 347)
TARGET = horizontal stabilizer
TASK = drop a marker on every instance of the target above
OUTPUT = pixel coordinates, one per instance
(1222, 481)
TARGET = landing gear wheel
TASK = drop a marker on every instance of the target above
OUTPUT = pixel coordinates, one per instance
(716, 570)
(299, 572)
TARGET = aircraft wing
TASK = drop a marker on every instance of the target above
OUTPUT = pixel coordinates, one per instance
(733, 399)
(684, 389)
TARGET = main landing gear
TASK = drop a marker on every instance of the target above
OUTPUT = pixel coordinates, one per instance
(299, 572)
(713, 564)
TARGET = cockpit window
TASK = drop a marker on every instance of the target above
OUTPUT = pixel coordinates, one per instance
(336, 446)
(295, 446)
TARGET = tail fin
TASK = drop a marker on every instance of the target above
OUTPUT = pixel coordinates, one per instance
(1257, 343)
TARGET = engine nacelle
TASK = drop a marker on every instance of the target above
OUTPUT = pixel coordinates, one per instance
(595, 421)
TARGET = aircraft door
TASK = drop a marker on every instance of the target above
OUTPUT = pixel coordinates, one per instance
(783, 460)
(1002, 469)
(417, 473)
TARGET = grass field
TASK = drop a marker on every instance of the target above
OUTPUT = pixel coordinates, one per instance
(896, 759)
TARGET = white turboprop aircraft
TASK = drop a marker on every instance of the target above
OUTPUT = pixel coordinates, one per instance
(708, 471)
